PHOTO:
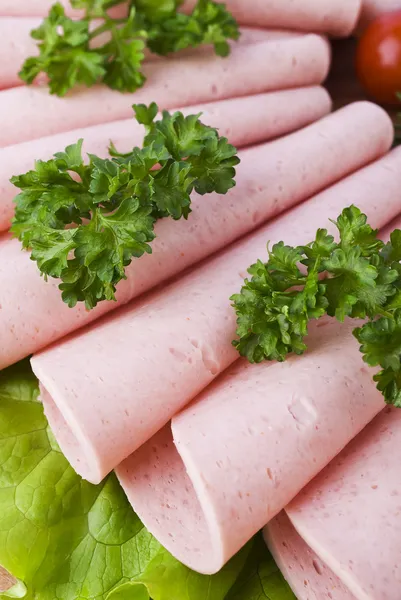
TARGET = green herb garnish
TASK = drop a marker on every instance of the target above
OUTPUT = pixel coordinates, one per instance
(358, 277)
(84, 223)
(99, 47)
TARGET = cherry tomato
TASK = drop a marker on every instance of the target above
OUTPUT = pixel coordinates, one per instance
(378, 59)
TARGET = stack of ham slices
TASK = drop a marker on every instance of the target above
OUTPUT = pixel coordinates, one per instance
(340, 538)
(208, 448)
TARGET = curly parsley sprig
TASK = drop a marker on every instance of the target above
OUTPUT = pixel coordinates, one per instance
(84, 222)
(71, 52)
(358, 277)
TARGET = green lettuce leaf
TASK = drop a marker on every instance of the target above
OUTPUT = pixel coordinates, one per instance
(62, 538)
(260, 579)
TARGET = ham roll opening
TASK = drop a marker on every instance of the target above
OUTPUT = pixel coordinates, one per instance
(248, 445)
(348, 519)
(309, 577)
(234, 458)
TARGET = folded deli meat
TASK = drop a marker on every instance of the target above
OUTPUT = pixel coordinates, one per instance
(358, 493)
(263, 190)
(242, 120)
(337, 17)
(132, 332)
(334, 17)
(250, 69)
(283, 423)
(316, 157)
(173, 343)
(213, 476)
(16, 45)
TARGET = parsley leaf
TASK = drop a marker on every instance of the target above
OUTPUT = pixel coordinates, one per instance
(355, 231)
(272, 312)
(69, 56)
(123, 56)
(214, 167)
(84, 222)
(381, 345)
(209, 23)
(157, 10)
(350, 288)
(391, 252)
(64, 53)
(96, 7)
(359, 277)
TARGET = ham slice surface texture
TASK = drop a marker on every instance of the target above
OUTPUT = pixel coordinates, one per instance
(28, 8)
(357, 494)
(171, 344)
(334, 17)
(310, 579)
(251, 69)
(255, 437)
(245, 121)
(316, 157)
(16, 45)
(41, 8)
(33, 314)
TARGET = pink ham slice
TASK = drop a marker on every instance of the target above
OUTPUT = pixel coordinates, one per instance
(348, 520)
(251, 69)
(245, 121)
(16, 45)
(334, 17)
(283, 423)
(337, 17)
(182, 333)
(310, 579)
(41, 8)
(33, 315)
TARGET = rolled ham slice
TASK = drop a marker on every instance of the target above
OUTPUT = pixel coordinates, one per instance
(248, 35)
(245, 121)
(255, 437)
(182, 332)
(41, 8)
(344, 530)
(16, 45)
(270, 179)
(251, 69)
(336, 17)
(333, 17)
(310, 579)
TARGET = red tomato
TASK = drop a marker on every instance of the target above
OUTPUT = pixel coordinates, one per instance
(378, 59)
